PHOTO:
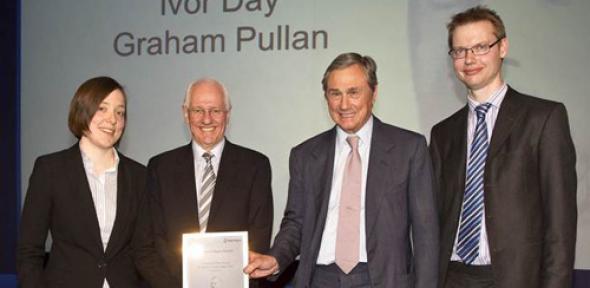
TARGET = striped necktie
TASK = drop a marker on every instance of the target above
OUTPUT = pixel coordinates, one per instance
(473, 199)
(207, 187)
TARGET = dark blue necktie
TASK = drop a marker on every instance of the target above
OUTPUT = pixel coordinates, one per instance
(472, 210)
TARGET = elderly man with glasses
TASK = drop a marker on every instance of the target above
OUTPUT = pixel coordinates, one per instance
(208, 185)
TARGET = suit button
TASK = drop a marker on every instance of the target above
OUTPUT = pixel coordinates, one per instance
(102, 265)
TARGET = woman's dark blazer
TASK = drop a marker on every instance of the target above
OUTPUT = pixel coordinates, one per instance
(59, 201)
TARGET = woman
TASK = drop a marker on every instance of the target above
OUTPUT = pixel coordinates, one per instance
(87, 196)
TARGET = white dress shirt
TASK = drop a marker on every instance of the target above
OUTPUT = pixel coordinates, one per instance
(103, 188)
(327, 254)
(496, 100)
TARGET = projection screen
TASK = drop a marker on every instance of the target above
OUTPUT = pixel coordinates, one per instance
(271, 55)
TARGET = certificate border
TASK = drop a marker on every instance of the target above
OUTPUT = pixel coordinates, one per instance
(199, 235)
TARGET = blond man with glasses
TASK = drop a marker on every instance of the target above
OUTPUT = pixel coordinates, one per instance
(505, 168)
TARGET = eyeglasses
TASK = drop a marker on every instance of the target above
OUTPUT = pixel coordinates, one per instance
(200, 112)
(479, 49)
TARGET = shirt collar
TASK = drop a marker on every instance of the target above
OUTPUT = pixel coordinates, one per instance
(198, 151)
(495, 99)
(364, 134)
(89, 166)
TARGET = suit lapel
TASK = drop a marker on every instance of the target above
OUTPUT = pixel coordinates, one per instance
(510, 112)
(186, 189)
(124, 188)
(458, 154)
(228, 169)
(378, 173)
(83, 197)
(322, 158)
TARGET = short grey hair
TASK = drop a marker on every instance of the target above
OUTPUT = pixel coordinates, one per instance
(346, 60)
(207, 80)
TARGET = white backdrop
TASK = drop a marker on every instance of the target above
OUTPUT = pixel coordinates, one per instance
(275, 84)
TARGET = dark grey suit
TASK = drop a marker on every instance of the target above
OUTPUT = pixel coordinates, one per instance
(399, 208)
(530, 191)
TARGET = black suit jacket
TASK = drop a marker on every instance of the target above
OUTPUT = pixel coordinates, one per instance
(59, 201)
(530, 191)
(242, 201)
(401, 219)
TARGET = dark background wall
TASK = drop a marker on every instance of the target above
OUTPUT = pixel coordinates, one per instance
(9, 139)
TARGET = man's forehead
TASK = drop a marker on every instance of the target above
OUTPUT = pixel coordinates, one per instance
(482, 27)
(472, 36)
(206, 96)
(356, 83)
(347, 75)
(206, 88)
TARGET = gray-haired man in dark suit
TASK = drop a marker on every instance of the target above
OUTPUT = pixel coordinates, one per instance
(389, 217)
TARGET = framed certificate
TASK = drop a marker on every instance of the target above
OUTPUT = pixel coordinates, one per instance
(214, 260)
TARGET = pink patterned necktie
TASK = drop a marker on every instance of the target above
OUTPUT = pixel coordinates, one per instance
(347, 235)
